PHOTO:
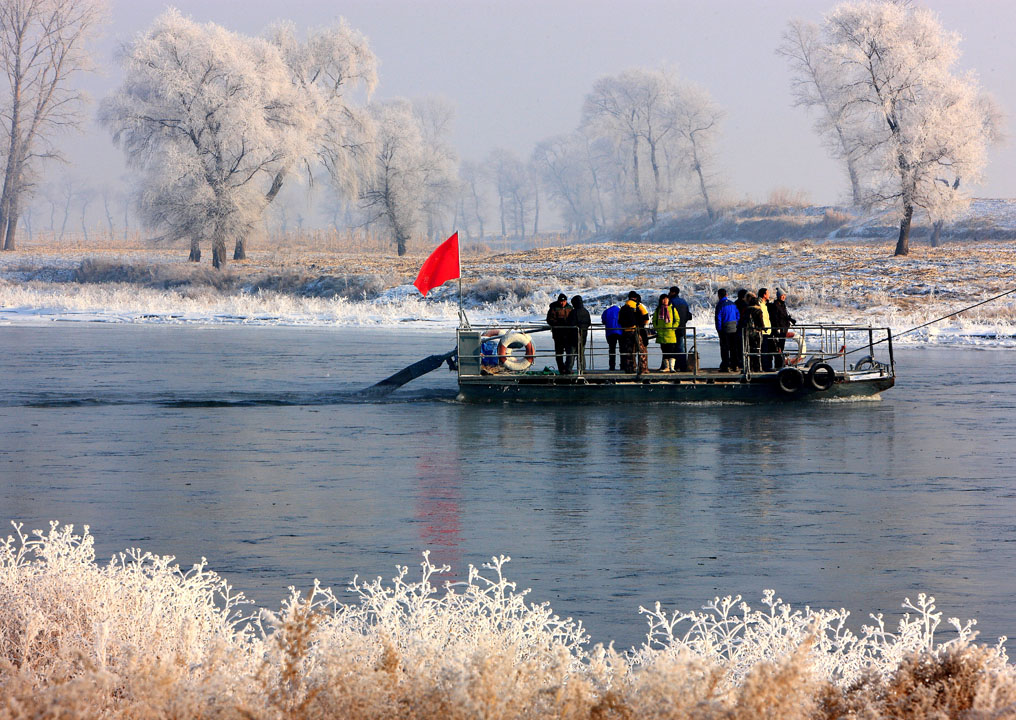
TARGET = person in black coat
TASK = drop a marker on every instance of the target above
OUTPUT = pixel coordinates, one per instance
(742, 323)
(754, 327)
(781, 320)
(633, 319)
(581, 321)
(561, 319)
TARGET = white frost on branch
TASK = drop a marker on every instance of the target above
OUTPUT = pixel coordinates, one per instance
(409, 172)
(215, 121)
(917, 130)
(662, 129)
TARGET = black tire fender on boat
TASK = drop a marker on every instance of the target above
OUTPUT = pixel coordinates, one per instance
(821, 376)
(790, 380)
(865, 363)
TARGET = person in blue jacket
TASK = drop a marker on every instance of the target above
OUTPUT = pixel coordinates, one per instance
(727, 317)
(613, 332)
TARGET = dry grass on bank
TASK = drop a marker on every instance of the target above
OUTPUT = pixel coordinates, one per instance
(834, 281)
(138, 638)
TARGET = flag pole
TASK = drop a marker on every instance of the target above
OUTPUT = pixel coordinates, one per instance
(463, 320)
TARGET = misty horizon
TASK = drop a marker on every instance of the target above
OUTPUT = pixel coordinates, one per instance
(517, 73)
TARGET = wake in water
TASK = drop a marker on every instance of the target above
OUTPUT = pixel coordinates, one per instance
(141, 637)
(227, 400)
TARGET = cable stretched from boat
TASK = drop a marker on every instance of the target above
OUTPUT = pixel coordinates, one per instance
(932, 322)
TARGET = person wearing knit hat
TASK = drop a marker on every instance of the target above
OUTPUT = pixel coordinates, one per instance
(581, 321)
(781, 321)
(562, 328)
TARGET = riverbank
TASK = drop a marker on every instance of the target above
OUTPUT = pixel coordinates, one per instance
(827, 281)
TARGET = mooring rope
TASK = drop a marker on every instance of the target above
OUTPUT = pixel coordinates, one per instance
(932, 322)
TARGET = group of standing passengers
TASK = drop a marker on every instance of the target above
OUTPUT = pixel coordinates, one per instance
(763, 321)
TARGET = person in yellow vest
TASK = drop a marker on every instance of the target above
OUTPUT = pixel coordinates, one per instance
(633, 319)
(768, 347)
(666, 320)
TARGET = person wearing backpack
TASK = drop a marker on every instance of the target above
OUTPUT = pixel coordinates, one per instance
(727, 317)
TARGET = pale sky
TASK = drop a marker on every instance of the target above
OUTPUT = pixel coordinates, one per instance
(517, 70)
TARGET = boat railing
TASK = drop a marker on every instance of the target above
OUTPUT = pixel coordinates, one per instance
(483, 351)
(844, 347)
(480, 350)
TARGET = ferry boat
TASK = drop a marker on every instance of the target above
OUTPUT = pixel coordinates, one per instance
(820, 362)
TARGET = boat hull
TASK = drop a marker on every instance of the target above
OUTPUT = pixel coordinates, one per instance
(571, 389)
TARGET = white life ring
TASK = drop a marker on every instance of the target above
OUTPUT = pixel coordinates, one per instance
(516, 341)
(802, 347)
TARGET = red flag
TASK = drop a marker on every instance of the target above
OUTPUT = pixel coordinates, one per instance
(442, 265)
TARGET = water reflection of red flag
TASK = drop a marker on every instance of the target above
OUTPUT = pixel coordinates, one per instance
(442, 265)
(438, 508)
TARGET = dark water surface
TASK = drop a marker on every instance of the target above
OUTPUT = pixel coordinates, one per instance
(246, 445)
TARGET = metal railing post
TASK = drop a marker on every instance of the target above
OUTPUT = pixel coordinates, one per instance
(694, 351)
(892, 360)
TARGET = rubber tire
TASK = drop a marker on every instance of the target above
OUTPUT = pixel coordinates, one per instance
(826, 371)
(789, 380)
(865, 363)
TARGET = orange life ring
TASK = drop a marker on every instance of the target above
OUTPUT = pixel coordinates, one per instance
(516, 341)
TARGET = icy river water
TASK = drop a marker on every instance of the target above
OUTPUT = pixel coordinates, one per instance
(245, 445)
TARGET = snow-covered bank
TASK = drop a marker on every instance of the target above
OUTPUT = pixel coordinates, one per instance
(985, 219)
(830, 281)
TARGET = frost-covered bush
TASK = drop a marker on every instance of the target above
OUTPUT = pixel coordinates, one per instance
(138, 637)
(490, 289)
(164, 277)
(58, 608)
(350, 287)
(732, 634)
(92, 270)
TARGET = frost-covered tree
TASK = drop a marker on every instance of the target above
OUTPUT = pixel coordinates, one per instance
(816, 85)
(325, 67)
(404, 175)
(472, 202)
(436, 116)
(659, 128)
(568, 178)
(993, 120)
(42, 50)
(632, 106)
(517, 192)
(918, 124)
(695, 120)
(216, 121)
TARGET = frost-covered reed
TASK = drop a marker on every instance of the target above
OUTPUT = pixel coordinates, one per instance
(139, 637)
